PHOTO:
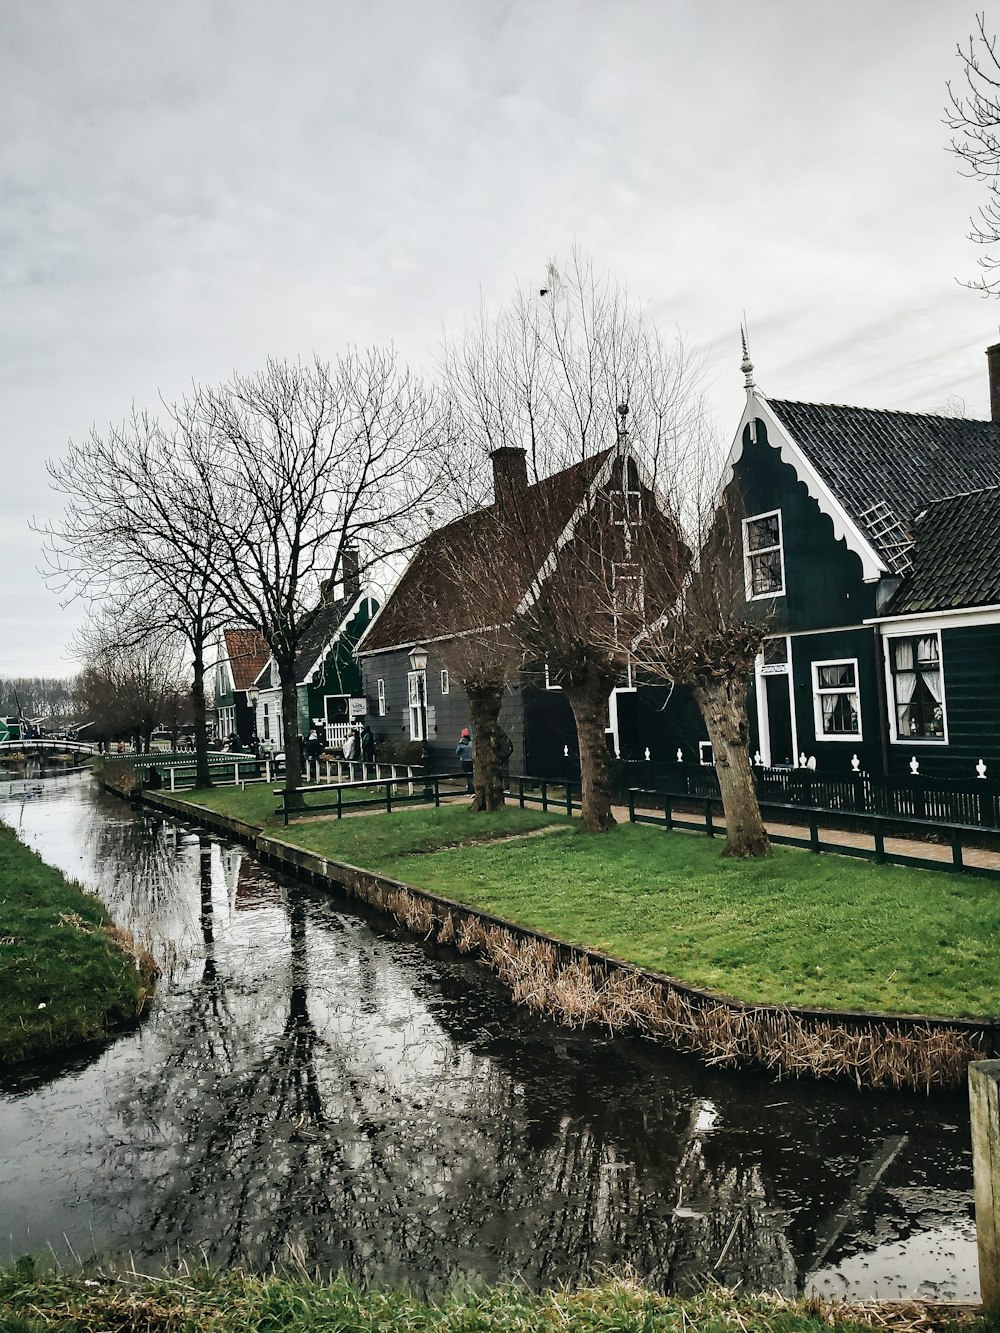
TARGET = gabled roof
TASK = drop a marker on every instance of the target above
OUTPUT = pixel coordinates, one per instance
(247, 652)
(432, 600)
(956, 558)
(885, 467)
(321, 634)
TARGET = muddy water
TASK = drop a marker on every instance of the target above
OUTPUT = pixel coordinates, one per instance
(314, 1085)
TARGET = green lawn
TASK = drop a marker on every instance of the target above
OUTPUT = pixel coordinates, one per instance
(63, 976)
(202, 1303)
(800, 929)
(258, 805)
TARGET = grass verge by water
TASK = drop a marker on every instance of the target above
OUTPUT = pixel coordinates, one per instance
(199, 1302)
(66, 974)
(796, 928)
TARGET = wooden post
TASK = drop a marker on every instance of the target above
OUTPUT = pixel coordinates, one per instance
(984, 1108)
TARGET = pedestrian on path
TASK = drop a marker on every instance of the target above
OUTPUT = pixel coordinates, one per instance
(464, 752)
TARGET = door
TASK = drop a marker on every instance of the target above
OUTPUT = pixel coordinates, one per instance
(779, 721)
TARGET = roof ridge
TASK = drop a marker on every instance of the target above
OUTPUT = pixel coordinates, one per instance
(960, 495)
(884, 411)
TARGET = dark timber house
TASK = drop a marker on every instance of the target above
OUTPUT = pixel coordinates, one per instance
(871, 543)
(425, 709)
(327, 675)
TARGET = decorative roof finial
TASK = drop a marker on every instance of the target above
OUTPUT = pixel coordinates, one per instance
(747, 366)
(623, 423)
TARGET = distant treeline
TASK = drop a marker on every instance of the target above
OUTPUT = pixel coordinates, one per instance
(38, 697)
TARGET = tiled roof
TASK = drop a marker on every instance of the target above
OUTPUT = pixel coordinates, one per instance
(885, 467)
(956, 558)
(247, 652)
(441, 591)
(320, 634)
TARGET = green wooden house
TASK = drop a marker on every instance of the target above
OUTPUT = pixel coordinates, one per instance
(871, 546)
(328, 677)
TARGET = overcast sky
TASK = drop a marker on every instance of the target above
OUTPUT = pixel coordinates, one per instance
(188, 188)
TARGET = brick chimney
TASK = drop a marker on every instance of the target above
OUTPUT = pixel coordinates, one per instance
(349, 571)
(510, 474)
(993, 361)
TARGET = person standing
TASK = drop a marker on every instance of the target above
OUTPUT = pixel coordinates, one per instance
(314, 748)
(464, 752)
(367, 745)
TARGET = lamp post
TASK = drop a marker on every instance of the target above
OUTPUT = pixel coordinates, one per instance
(253, 694)
(418, 665)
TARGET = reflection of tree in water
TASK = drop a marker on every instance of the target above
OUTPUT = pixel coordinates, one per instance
(362, 1106)
(141, 867)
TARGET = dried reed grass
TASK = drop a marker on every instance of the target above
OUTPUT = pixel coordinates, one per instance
(578, 990)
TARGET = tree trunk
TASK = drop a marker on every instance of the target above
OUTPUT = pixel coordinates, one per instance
(202, 772)
(723, 708)
(484, 715)
(589, 700)
(290, 726)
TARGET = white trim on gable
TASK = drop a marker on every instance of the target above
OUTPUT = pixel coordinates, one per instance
(844, 527)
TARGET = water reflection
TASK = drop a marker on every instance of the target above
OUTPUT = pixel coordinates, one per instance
(311, 1083)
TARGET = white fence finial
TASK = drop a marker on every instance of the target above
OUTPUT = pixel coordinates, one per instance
(758, 759)
(680, 755)
(855, 764)
(647, 754)
(981, 769)
(802, 759)
(914, 766)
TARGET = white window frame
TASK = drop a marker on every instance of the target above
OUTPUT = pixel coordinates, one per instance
(380, 691)
(445, 682)
(548, 680)
(888, 646)
(416, 699)
(749, 556)
(820, 692)
(226, 722)
(265, 720)
(761, 673)
(627, 572)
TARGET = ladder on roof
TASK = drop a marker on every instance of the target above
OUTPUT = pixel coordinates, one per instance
(889, 535)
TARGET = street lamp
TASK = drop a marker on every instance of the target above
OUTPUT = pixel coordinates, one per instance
(418, 664)
(253, 694)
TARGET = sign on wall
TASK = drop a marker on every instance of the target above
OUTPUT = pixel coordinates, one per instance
(358, 707)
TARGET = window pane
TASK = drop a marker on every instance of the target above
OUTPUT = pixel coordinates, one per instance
(765, 573)
(763, 532)
(838, 673)
(775, 652)
(840, 715)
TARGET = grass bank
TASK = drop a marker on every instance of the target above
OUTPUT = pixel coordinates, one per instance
(799, 929)
(66, 973)
(202, 1303)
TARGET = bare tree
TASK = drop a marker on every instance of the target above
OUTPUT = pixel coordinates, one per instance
(550, 374)
(131, 673)
(294, 467)
(134, 528)
(972, 114)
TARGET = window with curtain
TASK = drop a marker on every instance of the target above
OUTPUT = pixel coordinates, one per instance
(416, 690)
(917, 687)
(836, 701)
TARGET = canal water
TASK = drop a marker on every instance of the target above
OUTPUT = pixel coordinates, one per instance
(314, 1086)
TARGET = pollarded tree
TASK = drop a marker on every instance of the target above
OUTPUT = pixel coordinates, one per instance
(548, 375)
(693, 628)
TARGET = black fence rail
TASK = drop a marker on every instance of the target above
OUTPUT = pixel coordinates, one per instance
(700, 814)
(974, 803)
(422, 789)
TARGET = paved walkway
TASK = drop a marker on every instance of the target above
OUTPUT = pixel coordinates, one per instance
(934, 853)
